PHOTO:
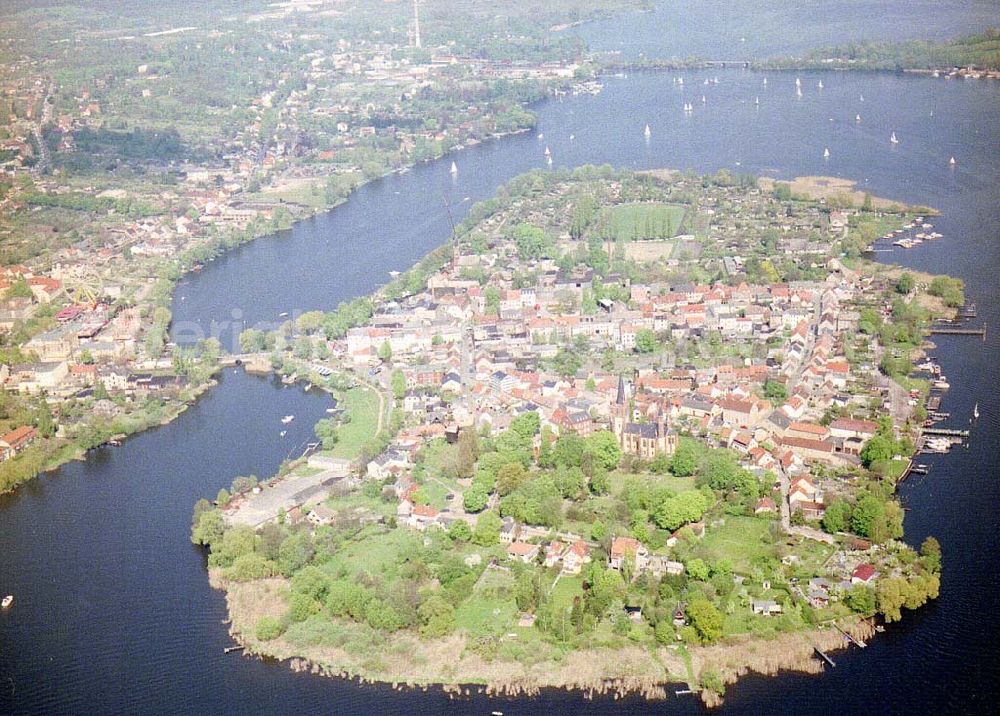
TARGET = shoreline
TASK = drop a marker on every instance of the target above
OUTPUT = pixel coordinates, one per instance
(596, 673)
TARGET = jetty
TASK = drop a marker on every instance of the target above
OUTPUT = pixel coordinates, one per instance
(958, 331)
(848, 637)
(946, 432)
(826, 658)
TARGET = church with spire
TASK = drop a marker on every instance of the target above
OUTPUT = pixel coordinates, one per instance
(642, 439)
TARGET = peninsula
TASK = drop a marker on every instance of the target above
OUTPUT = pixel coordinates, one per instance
(625, 429)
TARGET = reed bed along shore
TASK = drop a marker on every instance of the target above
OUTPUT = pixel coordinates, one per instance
(405, 661)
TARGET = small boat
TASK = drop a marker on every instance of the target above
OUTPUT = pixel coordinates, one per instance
(862, 98)
(572, 137)
(548, 152)
(541, 135)
(892, 138)
(826, 153)
(287, 419)
(283, 433)
(706, 82)
(820, 84)
(798, 91)
(454, 168)
(975, 412)
(282, 314)
(703, 100)
(765, 81)
(7, 601)
(857, 118)
(952, 161)
(647, 131)
(798, 82)
(680, 80)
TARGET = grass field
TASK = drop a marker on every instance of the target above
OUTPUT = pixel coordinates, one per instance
(740, 540)
(362, 405)
(566, 590)
(378, 554)
(634, 222)
(481, 616)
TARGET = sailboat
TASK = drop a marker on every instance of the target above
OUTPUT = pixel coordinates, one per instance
(857, 118)
(826, 153)
(548, 152)
(454, 168)
(703, 100)
(892, 138)
(756, 100)
(951, 162)
(647, 132)
(862, 98)
(706, 82)
(975, 412)
(680, 80)
(798, 82)
(765, 81)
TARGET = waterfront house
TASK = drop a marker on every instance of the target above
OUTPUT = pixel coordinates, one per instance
(864, 573)
(16, 440)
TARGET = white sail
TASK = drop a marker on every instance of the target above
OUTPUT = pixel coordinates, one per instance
(857, 118)
(952, 161)
(703, 100)
(826, 153)
(647, 131)
(798, 82)
(548, 152)
(820, 84)
(756, 100)
(454, 168)
(892, 138)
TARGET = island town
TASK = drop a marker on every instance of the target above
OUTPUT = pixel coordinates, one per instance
(619, 415)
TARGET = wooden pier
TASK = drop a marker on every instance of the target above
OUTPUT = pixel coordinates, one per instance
(850, 638)
(946, 432)
(958, 331)
(826, 658)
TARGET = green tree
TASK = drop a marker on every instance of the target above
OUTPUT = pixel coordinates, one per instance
(604, 446)
(705, 619)
(475, 498)
(437, 617)
(837, 517)
(697, 570)
(385, 352)
(684, 461)
(866, 515)
(487, 532)
(645, 341)
(905, 283)
(398, 384)
(930, 553)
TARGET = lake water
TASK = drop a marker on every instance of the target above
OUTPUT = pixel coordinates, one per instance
(114, 613)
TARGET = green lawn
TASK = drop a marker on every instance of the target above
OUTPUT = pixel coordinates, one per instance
(362, 405)
(634, 222)
(740, 540)
(896, 468)
(566, 590)
(376, 554)
(483, 616)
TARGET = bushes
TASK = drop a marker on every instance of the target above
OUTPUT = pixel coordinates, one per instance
(269, 628)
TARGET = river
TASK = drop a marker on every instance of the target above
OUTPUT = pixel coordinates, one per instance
(114, 613)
